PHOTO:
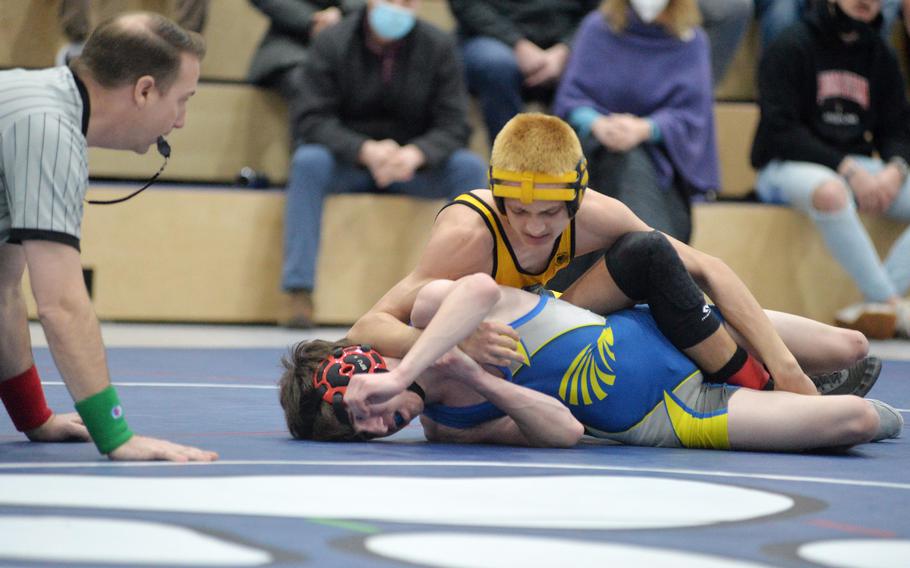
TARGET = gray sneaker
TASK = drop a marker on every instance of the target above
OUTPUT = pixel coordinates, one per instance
(891, 421)
(856, 379)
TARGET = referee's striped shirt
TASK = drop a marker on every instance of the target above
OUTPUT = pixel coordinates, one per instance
(43, 155)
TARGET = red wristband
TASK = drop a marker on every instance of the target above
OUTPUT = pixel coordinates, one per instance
(24, 400)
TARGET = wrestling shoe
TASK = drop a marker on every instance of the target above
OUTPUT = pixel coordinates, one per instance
(890, 421)
(856, 379)
(875, 321)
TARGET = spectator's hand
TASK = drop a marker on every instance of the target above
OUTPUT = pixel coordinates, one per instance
(890, 181)
(555, 59)
(866, 190)
(620, 132)
(324, 19)
(60, 428)
(142, 448)
(402, 165)
(493, 343)
(374, 154)
(529, 57)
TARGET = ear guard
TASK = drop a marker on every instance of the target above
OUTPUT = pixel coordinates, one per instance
(334, 373)
(569, 187)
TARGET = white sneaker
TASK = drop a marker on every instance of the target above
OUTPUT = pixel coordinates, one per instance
(891, 423)
(902, 328)
(876, 321)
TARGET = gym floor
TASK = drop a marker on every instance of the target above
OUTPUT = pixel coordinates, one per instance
(274, 501)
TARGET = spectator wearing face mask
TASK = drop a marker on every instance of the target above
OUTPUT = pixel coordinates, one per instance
(638, 91)
(382, 109)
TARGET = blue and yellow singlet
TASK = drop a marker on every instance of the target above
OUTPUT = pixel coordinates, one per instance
(611, 372)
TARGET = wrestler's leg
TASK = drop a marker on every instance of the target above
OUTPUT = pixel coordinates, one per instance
(818, 347)
(644, 267)
(784, 421)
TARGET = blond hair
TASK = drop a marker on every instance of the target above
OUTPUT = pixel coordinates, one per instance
(536, 142)
(681, 16)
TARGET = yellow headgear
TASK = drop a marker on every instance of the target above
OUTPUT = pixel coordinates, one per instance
(569, 186)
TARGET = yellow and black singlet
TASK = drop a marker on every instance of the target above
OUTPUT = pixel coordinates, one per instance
(506, 270)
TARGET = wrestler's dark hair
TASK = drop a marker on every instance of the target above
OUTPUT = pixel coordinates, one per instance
(309, 417)
(126, 47)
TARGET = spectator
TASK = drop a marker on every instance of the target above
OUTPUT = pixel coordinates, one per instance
(775, 16)
(129, 87)
(831, 96)
(725, 22)
(515, 51)
(277, 63)
(75, 20)
(383, 109)
(638, 91)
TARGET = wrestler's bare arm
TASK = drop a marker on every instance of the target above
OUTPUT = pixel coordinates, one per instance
(459, 244)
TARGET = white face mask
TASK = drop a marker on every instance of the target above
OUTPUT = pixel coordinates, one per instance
(648, 10)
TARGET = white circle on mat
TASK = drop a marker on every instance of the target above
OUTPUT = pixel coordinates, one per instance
(545, 501)
(118, 541)
(858, 553)
(446, 550)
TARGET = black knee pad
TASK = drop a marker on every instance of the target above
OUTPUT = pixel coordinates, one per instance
(647, 268)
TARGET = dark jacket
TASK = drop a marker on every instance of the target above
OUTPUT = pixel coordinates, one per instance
(344, 101)
(285, 43)
(543, 22)
(822, 99)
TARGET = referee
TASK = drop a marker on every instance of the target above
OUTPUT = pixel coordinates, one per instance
(130, 86)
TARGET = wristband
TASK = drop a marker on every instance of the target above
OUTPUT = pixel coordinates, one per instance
(24, 400)
(103, 416)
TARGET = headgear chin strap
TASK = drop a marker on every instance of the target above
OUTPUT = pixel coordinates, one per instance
(569, 187)
(334, 373)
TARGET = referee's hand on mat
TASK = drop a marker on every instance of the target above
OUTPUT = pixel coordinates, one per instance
(142, 448)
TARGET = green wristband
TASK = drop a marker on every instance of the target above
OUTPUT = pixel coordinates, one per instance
(103, 416)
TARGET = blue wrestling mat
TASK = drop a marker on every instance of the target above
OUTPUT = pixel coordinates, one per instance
(273, 501)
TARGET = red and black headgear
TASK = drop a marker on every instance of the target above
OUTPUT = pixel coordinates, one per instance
(332, 376)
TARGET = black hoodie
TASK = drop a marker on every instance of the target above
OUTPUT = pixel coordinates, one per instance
(822, 99)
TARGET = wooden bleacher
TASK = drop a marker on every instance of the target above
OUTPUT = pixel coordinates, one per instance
(194, 253)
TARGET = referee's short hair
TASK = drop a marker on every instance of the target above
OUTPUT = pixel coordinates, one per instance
(124, 48)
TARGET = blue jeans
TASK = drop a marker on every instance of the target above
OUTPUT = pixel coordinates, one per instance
(793, 183)
(316, 173)
(493, 76)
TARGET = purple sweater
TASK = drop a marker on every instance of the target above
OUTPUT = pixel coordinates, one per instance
(649, 73)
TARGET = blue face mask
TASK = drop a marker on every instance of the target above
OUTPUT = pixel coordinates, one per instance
(391, 22)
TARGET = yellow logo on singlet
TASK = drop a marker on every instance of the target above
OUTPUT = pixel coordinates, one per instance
(590, 368)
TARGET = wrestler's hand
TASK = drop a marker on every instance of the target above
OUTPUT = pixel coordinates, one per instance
(60, 428)
(457, 365)
(367, 391)
(793, 380)
(142, 448)
(493, 343)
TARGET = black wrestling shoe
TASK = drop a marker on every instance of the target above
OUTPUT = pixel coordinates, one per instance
(856, 379)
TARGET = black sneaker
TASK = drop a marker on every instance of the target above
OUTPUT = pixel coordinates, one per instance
(856, 379)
